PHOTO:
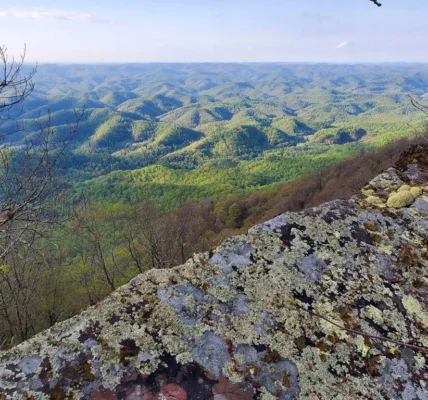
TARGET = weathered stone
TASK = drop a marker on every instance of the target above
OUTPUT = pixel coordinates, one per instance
(279, 376)
(210, 351)
(421, 205)
(312, 267)
(186, 301)
(389, 180)
(415, 173)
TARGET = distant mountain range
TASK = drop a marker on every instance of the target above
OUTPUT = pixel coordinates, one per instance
(175, 123)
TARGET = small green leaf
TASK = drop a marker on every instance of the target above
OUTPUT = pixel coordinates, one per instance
(5, 268)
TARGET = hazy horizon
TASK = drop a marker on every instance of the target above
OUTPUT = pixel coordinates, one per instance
(172, 31)
(226, 62)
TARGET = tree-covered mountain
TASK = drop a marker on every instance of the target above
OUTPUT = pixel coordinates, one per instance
(191, 131)
(168, 160)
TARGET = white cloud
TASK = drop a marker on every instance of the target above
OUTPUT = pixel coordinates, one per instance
(55, 14)
(342, 45)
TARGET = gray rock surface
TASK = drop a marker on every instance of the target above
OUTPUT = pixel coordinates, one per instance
(271, 315)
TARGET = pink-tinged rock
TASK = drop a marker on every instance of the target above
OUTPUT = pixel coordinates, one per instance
(226, 390)
(140, 393)
(172, 392)
(103, 394)
(133, 377)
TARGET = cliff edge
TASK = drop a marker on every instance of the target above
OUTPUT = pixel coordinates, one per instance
(328, 303)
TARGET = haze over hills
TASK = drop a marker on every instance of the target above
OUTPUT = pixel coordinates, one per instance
(221, 199)
(192, 131)
(169, 159)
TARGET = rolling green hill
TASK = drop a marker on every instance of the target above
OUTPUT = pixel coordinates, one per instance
(192, 131)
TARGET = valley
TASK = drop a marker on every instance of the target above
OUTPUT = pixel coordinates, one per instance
(190, 132)
(168, 160)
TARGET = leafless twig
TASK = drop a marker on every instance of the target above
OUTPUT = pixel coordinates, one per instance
(418, 105)
(357, 332)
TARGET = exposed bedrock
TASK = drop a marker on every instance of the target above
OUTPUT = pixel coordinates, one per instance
(271, 315)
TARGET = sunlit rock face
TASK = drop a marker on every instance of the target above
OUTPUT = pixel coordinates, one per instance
(261, 317)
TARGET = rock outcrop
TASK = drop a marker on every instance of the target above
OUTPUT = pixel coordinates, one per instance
(329, 303)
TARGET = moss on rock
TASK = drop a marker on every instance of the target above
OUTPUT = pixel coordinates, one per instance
(375, 200)
(367, 192)
(404, 188)
(400, 199)
(416, 191)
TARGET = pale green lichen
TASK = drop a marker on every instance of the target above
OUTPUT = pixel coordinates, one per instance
(374, 314)
(420, 360)
(415, 308)
(361, 345)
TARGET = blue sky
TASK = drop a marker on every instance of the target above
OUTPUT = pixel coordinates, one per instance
(216, 30)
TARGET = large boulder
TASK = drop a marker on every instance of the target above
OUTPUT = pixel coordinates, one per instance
(329, 303)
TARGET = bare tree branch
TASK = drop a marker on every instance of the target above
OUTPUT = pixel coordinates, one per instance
(31, 191)
(14, 86)
(418, 105)
(358, 332)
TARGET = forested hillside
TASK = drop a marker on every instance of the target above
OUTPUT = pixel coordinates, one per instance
(197, 131)
(168, 160)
